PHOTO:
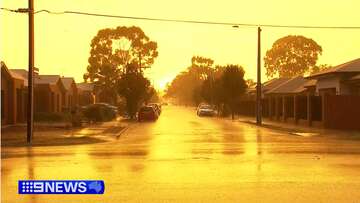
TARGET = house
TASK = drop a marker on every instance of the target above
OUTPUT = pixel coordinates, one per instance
(329, 98)
(13, 97)
(86, 93)
(294, 101)
(339, 80)
(70, 98)
(247, 104)
(48, 93)
(339, 88)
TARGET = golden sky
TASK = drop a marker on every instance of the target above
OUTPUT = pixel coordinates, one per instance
(62, 42)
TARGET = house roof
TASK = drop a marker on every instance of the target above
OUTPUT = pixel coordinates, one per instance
(67, 81)
(273, 83)
(291, 86)
(16, 73)
(268, 85)
(84, 86)
(348, 67)
(20, 72)
(310, 83)
(47, 79)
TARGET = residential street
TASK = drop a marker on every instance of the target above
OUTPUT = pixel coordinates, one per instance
(185, 158)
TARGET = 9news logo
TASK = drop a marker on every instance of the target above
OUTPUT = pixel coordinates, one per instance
(61, 187)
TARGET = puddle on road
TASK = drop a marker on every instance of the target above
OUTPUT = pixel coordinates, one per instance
(305, 134)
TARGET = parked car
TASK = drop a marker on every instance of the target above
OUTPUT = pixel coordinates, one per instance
(99, 112)
(156, 106)
(114, 108)
(205, 110)
(147, 113)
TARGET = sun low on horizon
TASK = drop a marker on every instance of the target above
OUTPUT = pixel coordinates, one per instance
(62, 41)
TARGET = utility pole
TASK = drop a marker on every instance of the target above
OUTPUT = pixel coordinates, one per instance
(258, 86)
(30, 108)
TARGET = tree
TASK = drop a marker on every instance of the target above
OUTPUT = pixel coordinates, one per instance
(233, 85)
(186, 86)
(201, 66)
(292, 56)
(211, 89)
(113, 50)
(134, 87)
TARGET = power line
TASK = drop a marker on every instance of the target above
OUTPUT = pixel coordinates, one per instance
(234, 24)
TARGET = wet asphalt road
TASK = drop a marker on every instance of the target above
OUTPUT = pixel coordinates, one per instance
(185, 158)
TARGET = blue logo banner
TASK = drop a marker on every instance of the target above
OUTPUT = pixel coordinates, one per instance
(61, 187)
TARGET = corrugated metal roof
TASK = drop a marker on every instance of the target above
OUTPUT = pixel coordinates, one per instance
(268, 85)
(47, 79)
(271, 84)
(310, 82)
(351, 66)
(291, 86)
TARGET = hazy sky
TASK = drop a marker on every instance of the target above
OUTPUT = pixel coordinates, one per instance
(62, 42)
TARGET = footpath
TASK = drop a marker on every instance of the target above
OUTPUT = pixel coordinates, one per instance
(59, 134)
(299, 130)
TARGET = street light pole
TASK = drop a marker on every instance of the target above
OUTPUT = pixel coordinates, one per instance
(258, 86)
(30, 108)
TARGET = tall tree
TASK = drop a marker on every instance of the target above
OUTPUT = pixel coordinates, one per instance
(186, 86)
(292, 56)
(135, 88)
(201, 67)
(233, 85)
(112, 50)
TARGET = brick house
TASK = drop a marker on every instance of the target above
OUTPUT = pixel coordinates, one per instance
(48, 93)
(70, 98)
(13, 97)
(86, 93)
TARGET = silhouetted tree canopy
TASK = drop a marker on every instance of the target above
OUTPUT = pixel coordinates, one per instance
(135, 88)
(221, 86)
(113, 51)
(234, 85)
(186, 86)
(292, 56)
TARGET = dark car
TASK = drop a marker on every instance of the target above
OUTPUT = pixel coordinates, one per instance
(114, 108)
(99, 112)
(147, 113)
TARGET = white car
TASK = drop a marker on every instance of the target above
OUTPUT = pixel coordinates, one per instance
(205, 110)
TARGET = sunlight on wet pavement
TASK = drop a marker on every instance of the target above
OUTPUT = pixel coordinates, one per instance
(182, 158)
